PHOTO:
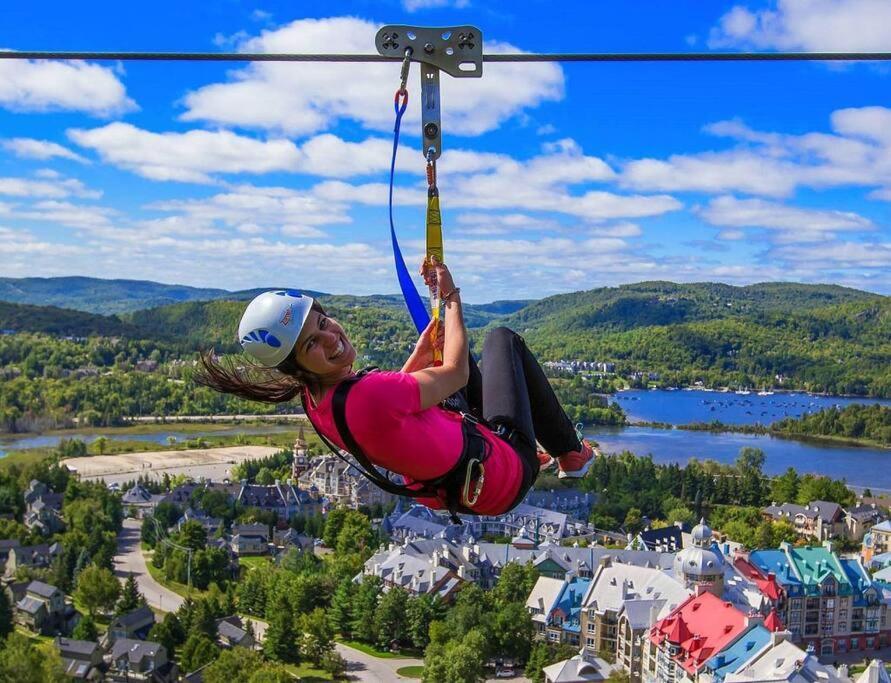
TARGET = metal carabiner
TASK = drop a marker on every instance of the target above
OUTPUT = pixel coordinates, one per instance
(477, 490)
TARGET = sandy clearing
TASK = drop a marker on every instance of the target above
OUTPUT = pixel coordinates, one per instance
(194, 461)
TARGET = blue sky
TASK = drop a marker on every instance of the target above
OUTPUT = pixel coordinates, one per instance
(554, 177)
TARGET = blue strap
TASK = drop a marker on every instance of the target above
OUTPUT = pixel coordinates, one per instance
(416, 308)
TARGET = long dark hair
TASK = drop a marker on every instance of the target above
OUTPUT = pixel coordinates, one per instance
(244, 378)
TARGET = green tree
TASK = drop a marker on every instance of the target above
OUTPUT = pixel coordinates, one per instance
(515, 583)
(355, 535)
(97, 589)
(316, 637)
(197, 651)
(271, 673)
(633, 521)
(680, 514)
(340, 615)
(192, 535)
(131, 598)
(5, 613)
(512, 630)
(237, 664)
(334, 663)
(85, 629)
(23, 662)
(281, 641)
(390, 622)
(420, 612)
(333, 524)
(784, 488)
(169, 633)
(364, 607)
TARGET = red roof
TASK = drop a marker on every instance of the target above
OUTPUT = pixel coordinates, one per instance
(766, 584)
(701, 626)
(773, 623)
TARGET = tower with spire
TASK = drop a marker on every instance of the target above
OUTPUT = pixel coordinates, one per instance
(300, 460)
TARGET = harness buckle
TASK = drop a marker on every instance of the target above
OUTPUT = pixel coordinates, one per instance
(477, 490)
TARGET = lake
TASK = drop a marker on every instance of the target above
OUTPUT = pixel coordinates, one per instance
(858, 466)
(42, 440)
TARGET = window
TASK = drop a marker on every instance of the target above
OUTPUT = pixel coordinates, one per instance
(589, 642)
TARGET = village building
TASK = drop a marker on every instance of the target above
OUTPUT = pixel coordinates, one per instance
(81, 659)
(140, 660)
(249, 539)
(37, 556)
(821, 520)
(43, 509)
(827, 602)
(861, 518)
(232, 633)
(877, 541)
(141, 501)
(43, 610)
(328, 478)
(133, 625)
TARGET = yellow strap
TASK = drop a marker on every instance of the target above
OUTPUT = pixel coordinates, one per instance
(434, 249)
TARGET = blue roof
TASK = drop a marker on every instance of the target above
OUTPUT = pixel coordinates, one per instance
(775, 561)
(731, 659)
(570, 602)
(883, 526)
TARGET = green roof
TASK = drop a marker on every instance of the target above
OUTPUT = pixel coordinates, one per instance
(813, 565)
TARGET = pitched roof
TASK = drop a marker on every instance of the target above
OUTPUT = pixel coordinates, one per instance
(42, 589)
(137, 617)
(733, 658)
(30, 605)
(702, 626)
(69, 646)
(543, 596)
(772, 622)
(666, 539)
(135, 650)
(875, 673)
(577, 669)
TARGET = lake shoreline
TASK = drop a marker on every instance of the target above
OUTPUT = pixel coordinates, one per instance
(763, 430)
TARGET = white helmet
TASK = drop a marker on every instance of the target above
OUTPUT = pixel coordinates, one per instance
(271, 324)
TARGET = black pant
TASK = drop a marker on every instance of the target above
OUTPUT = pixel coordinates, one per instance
(513, 395)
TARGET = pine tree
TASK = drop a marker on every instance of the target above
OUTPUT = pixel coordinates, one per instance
(340, 615)
(131, 598)
(281, 641)
(5, 613)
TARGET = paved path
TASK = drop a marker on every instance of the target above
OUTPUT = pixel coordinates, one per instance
(363, 667)
(129, 560)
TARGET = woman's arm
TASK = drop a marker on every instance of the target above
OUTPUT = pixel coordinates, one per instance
(422, 355)
(438, 383)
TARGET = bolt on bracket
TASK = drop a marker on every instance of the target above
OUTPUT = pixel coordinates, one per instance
(457, 50)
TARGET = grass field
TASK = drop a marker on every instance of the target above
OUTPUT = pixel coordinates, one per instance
(411, 671)
(382, 654)
(178, 588)
(309, 674)
(255, 561)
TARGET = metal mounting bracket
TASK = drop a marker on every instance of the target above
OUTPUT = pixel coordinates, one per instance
(457, 50)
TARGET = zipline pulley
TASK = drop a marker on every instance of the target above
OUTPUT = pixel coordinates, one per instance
(456, 50)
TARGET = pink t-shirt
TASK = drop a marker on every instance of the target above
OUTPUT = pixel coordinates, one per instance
(384, 414)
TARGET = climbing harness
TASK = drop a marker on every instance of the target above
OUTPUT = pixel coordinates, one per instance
(458, 489)
(457, 50)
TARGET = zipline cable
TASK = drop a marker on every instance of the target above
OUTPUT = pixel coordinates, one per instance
(492, 58)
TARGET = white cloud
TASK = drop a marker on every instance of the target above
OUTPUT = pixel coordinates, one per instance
(29, 148)
(795, 223)
(52, 187)
(27, 85)
(186, 157)
(268, 207)
(480, 224)
(809, 25)
(415, 5)
(842, 255)
(857, 153)
(302, 99)
(68, 214)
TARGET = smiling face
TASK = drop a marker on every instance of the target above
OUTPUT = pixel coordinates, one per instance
(323, 348)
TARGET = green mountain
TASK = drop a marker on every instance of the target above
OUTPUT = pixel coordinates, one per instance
(62, 322)
(94, 295)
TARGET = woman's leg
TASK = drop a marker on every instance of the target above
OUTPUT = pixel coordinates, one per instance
(517, 393)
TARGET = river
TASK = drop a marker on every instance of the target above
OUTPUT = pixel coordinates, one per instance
(858, 466)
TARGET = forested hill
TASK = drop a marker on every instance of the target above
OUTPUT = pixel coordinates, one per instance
(94, 295)
(666, 303)
(62, 322)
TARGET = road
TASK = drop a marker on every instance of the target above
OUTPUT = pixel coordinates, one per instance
(129, 560)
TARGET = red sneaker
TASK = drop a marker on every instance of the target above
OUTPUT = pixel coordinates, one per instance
(545, 461)
(576, 464)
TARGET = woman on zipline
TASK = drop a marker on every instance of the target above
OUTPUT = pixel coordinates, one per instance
(482, 461)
